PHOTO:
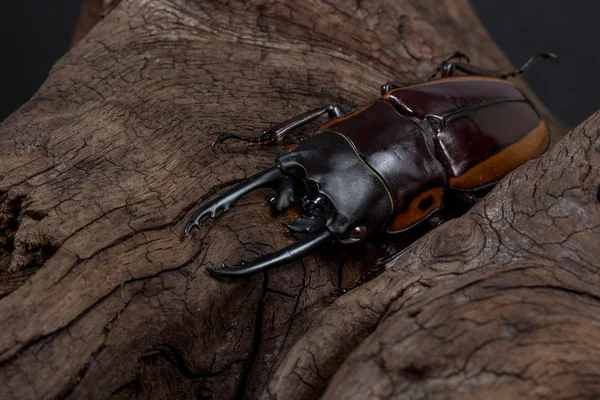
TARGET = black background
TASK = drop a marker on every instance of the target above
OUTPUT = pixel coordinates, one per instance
(568, 28)
(35, 33)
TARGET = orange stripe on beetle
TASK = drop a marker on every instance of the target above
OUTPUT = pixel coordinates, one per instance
(500, 164)
(419, 208)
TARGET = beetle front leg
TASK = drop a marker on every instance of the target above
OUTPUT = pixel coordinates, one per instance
(339, 290)
(381, 265)
(386, 87)
(277, 132)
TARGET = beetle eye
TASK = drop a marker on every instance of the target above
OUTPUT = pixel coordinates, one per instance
(359, 232)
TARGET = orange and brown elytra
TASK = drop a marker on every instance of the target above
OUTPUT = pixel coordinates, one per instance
(391, 165)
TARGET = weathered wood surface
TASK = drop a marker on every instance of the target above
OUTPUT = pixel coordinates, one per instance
(101, 297)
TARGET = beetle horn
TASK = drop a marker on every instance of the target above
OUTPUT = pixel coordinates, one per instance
(294, 252)
(227, 200)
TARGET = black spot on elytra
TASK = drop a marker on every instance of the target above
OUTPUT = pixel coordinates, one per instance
(426, 203)
(598, 195)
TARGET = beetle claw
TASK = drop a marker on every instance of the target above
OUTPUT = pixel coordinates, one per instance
(226, 201)
(293, 252)
(190, 226)
(199, 215)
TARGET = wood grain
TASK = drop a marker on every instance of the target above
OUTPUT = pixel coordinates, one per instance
(99, 171)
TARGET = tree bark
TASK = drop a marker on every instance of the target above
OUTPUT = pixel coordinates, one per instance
(102, 298)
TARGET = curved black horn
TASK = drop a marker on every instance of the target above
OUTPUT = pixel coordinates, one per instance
(224, 202)
(294, 252)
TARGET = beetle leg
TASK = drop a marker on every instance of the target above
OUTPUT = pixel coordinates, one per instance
(339, 290)
(445, 61)
(227, 200)
(381, 265)
(277, 132)
(386, 87)
(468, 69)
(294, 252)
(553, 58)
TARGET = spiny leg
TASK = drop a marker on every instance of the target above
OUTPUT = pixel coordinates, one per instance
(277, 132)
(338, 290)
(294, 252)
(381, 265)
(446, 61)
(386, 87)
(451, 69)
(553, 58)
(224, 202)
(389, 86)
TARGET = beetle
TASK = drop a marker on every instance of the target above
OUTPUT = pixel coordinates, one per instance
(390, 165)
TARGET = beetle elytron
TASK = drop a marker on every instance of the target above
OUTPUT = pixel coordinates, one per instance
(389, 165)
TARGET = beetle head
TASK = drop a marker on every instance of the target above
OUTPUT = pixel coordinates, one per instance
(353, 198)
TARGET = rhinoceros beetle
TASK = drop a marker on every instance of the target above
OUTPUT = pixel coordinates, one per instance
(388, 166)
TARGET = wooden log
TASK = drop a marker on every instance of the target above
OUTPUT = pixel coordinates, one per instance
(102, 298)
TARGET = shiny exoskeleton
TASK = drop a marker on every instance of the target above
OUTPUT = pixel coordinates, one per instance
(390, 165)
